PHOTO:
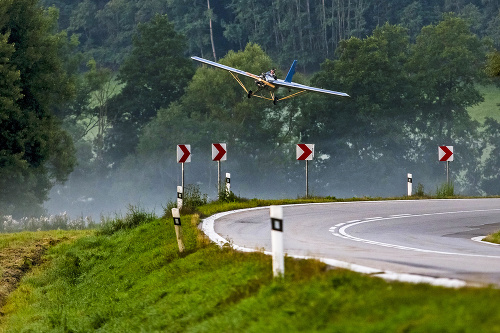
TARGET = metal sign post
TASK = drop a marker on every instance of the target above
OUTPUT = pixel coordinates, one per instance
(448, 172)
(183, 156)
(307, 179)
(445, 154)
(305, 152)
(219, 153)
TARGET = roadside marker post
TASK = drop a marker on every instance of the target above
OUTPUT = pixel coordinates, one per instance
(305, 152)
(228, 183)
(219, 153)
(276, 214)
(180, 193)
(410, 182)
(178, 228)
(445, 154)
(183, 156)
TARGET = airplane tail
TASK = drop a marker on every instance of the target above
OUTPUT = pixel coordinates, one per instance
(291, 72)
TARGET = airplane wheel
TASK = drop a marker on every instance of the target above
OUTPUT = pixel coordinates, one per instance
(250, 93)
(275, 100)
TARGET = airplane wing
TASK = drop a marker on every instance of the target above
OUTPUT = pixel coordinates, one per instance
(293, 85)
(227, 68)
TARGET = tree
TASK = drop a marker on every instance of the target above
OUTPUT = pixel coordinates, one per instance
(447, 62)
(493, 65)
(35, 152)
(102, 88)
(369, 129)
(216, 109)
(155, 74)
(406, 100)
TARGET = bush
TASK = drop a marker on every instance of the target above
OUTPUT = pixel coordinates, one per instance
(192, 199)
(228, 196)
(445, 190)
(420, 190)
(134, 217)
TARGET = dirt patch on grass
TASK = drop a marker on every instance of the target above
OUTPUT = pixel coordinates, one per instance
(16, 262)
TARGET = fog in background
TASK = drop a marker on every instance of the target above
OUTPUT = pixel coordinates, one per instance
(151, 182)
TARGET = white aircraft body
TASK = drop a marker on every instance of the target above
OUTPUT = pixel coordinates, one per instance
(268, 81)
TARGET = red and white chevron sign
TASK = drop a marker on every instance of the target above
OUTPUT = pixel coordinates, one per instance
(219, 152)
(183, 153)
(445, 153)
(305, 152)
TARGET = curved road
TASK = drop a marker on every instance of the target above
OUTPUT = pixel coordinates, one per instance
(430, 238)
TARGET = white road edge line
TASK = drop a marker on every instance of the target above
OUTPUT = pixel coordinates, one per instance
(479, 239)
(342, 231)
(208, 227)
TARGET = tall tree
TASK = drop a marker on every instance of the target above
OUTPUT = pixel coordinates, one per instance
(447, 62)
(155, 74)
(368, 129)
(216, 109)
(37, 152)
(446, 65)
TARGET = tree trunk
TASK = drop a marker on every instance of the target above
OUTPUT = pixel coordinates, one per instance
(309, 25)
(324, 26)
(211, 31)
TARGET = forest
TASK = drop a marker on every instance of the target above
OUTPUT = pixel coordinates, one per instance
(96, 94)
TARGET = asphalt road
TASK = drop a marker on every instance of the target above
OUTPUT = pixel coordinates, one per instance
(422, 237)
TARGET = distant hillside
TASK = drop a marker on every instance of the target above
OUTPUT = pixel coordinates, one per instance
(490, 107)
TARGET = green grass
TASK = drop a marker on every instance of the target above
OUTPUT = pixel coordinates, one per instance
(133, 279)
(490, 107)
(493, 238)
(23, 239)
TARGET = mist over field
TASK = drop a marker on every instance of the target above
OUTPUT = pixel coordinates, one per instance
(151, 184)
(97, 95)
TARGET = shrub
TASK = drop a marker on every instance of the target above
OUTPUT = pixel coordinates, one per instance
(134, 217)
(420, 190)
(192, 199)
(228, 196)
(445, 190)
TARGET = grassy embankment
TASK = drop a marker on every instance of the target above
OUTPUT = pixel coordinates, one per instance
(129, 276)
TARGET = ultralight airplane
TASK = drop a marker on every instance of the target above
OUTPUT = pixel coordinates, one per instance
(268, 81)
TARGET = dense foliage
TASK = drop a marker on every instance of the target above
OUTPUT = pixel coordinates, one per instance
(413, 69)
(309, 30)
(34, 151)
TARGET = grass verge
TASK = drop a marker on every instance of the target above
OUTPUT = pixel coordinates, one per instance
(133, 279)
(20, 252)
(493, 238)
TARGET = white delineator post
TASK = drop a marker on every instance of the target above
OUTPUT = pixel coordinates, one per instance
(276, 213)
(178, 229)
(228, 183)
(410, 182)
(179, 197)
